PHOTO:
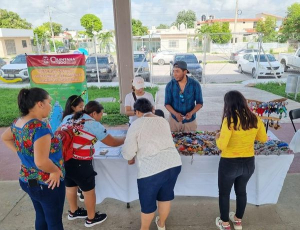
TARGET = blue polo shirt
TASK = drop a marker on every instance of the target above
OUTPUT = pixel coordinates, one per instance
(192, 95)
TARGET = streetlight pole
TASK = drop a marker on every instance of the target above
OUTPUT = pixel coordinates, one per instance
(51, 29)
(97, 67)
(235, 19)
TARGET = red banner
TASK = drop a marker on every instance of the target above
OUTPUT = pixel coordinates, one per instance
(55, 60)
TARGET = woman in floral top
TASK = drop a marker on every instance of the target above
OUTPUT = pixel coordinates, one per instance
(42, 166)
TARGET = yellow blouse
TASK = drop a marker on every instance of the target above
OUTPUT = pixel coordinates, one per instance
(240, 143)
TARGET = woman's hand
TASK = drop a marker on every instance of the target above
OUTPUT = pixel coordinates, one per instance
(132, 161)
(54, 179)
(217, 135)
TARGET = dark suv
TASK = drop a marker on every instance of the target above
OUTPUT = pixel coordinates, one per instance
(106, 67)
(193, 65)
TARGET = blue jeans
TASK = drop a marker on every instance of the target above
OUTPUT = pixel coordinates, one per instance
(237, 172)
(48, 205)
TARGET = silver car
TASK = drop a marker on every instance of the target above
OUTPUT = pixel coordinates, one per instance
(2, 62)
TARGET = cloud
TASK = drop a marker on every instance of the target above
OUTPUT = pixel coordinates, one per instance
(154, 12)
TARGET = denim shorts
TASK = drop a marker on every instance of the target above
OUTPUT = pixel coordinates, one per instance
(159, 187)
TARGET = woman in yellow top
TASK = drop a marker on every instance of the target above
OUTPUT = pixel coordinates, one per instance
(240, 128)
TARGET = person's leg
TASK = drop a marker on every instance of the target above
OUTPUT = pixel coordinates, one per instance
(228, 171)
(190, 126)
(40, 221)
(71, 194)
(146, 220)
(174, 125)
(240, 185)
(164, 208)
(166, 194)
(90, 203)
(53, 205)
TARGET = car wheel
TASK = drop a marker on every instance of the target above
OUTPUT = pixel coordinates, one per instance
(240, 69)
(284, 65)
(254, 73)
(161, 62)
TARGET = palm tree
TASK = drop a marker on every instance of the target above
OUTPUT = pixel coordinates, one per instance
(106, 40)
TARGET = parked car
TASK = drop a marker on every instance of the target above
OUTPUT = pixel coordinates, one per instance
(193, 65)
(163, 57)
(17, 68)
(234, 57)
(2, 62)
(290, 60)
(106, 67)
(141, 67)
(62, 49)
(249, 62)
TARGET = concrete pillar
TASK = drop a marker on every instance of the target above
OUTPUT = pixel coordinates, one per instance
(122, 16)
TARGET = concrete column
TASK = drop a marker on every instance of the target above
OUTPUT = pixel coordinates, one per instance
(122, 16)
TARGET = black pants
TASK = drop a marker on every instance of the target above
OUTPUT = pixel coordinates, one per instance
(237, 172)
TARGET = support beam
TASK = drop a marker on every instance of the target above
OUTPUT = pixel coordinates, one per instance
(122, 16)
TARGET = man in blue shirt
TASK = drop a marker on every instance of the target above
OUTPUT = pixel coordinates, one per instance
(183, 98)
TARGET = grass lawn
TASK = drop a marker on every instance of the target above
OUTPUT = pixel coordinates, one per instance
(275, 88)
(9, 108)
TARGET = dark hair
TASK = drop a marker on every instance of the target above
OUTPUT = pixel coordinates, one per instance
(90, 107)
(27, 99)
(143, 105)
(235, 106)
(160, 113)
(72, 101)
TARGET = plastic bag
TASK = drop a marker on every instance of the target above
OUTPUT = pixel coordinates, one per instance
(295, 142)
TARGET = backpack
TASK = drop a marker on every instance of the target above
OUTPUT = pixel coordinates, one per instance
(66, 135)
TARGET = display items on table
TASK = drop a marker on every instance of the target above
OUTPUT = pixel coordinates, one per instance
(276, 108)
(204, 143)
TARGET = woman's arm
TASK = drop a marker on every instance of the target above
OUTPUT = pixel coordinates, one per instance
(43, 162)
(113, 141)
(7, 138)
(129, 111)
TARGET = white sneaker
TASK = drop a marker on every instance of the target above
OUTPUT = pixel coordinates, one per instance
(156, 222)
(236, 224)
(220, 226)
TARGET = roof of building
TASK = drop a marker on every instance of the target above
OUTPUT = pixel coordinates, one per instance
(271, 15)
(228, 20)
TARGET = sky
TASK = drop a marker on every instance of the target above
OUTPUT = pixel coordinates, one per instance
(150, 12)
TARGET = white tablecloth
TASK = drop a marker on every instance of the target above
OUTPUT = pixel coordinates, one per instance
(199, 177)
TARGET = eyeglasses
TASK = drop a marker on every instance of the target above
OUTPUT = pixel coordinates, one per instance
(181, 97)
(83, 93)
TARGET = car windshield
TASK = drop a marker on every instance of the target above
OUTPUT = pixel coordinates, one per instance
(19, 60)
(264, 59)
(101, 60)
(186, 58)
(139, 58)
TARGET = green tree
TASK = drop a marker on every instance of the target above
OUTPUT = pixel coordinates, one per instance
(187, 18)
(57, 28)
(137, 28)
(291, 24)
(106, 40)
(268, 28)
(163, 26)
(9, 19)
(215, 30)
(91, 23)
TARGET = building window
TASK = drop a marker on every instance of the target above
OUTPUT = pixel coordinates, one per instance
(24, 43)
(173, 44)
(254, 24)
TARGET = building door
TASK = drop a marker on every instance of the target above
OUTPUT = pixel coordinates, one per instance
(10, 47)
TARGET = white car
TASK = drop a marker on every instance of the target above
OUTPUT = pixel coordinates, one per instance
(249, 62)
(163, 57)
(17, 68)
